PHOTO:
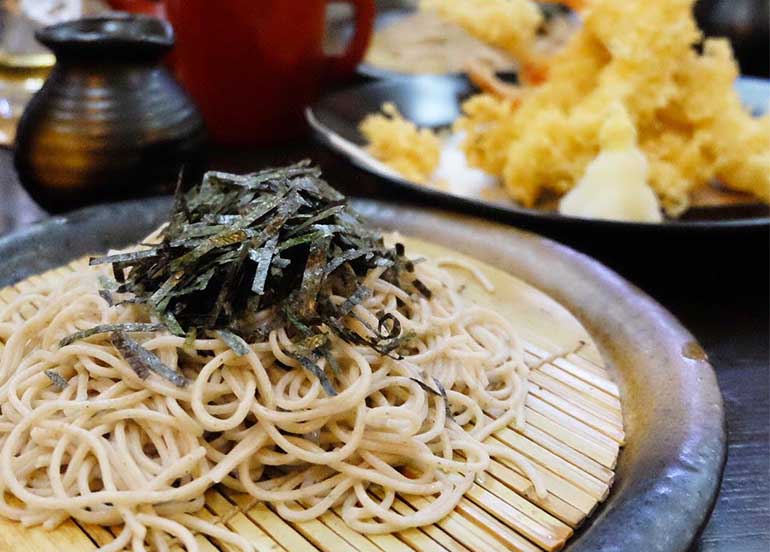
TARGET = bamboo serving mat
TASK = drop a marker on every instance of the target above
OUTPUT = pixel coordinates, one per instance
(573, 433)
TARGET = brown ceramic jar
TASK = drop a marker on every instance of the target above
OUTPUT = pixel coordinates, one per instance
(110, 121)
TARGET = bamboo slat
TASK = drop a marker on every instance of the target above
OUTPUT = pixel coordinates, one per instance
(572, 434)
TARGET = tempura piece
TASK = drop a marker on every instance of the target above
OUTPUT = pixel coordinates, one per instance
(615, 184)
(708, 133)
(398, 143)
(639, 53)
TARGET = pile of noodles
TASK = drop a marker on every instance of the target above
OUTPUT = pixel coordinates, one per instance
(82, 436)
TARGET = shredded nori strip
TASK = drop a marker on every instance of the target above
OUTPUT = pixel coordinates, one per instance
(118, 273)
(422, 288)
(57, 380)
(279, 239)
(442, 390)
(331, 360)
(106, 283)
(382, 323)
(305, 300)
(440, 393)
(426, 387)
(107, 296)
(359, 295)
(263, 258)
(171, 323)
(313, 343)
(129, 327)
(236, 343)
(190, 338)
(143, 361)
(316, 370)
(302, 328)
(326, 213)
(344, 258)
(124, 257)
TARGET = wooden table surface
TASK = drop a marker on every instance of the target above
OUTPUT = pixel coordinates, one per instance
(725, 307)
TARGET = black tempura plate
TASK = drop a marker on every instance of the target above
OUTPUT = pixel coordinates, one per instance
(434, 102)
(718, 240)
(668, 472)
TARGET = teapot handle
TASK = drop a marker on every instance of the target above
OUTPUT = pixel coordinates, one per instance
(342, 66)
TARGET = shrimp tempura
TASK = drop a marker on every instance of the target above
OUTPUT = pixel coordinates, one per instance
(640, 54)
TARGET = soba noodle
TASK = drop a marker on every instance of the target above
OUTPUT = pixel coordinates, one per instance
(106, 447)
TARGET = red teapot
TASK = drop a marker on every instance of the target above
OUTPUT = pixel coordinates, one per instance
(252, 67)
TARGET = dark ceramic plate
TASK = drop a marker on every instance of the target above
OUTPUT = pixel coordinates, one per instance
(434, 101)
(669, 471)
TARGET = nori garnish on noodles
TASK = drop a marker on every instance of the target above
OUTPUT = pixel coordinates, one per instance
(440, 392)
(143, 361)
(236, 343)
(57, 380)
(279, 239)
(128, 327)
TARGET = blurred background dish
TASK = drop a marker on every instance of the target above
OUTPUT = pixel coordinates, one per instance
(17, 86)
(722, 252)
(24, 62)
(409, 42)
(745, 22)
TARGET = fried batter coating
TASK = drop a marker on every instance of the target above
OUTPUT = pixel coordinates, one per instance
(640, 53)
(413, 152)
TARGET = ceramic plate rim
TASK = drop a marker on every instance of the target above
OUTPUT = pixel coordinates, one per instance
(654, 517)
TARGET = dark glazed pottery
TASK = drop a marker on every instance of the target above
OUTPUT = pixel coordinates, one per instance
(110, 121)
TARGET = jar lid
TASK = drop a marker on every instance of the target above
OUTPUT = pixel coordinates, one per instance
(120, 34)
